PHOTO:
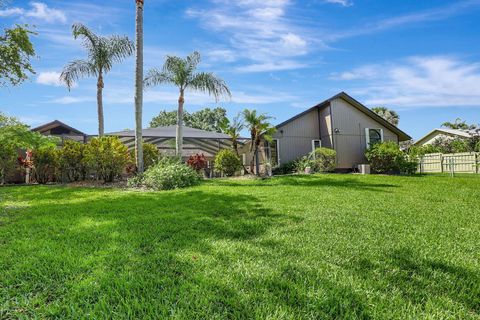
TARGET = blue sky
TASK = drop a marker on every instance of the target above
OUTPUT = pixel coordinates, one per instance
(420, 58)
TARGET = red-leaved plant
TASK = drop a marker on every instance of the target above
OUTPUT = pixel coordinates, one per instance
(197, 162)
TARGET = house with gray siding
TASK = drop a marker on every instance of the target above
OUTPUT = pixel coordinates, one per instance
(340, 123)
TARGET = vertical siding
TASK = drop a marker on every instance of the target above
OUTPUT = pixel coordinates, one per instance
(350, 142)
(295, 138)
(326, 127)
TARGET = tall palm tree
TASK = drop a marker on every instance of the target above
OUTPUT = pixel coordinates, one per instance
(182, 74)
(139, 84)
(387, 114)
(102, 53)
(233, 129)
(259, 128)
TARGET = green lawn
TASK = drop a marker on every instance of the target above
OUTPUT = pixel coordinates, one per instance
(306, 247)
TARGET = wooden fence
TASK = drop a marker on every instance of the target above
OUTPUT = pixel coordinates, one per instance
(467, 162)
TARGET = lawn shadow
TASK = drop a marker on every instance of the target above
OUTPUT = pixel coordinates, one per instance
(420, 279)
(318, 180)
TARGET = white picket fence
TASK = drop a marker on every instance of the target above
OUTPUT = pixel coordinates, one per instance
(467, 162)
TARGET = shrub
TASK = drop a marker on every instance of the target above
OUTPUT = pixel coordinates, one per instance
(385, 157)
(198, 162)
(408, 166)
(151, 155)
(71, 162)
(45, 164)
(227, 162)
(169, 175)
(303, 163)
(107, 156)
(284, 168)
(325, 159)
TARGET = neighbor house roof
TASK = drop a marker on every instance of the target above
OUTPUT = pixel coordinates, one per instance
(55, 124)
(170, 132)
(342, 95)
(448, 132)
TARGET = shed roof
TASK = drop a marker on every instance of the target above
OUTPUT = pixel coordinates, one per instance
(56, 124)
(449, 132)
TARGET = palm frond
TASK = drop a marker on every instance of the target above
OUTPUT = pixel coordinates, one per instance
(176, 68)
(119, 48)
(76, 70)
(155, 77)
(192, 62)
(90, 39)
(209, 83)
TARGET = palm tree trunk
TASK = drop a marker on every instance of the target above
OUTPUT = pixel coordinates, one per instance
(101, 130)
(139, 85)
(257, 162)
(179, 142)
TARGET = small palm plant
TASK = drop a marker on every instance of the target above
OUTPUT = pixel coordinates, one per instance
(259, 128)
(233, 129)
(102, 53)
(182, 74)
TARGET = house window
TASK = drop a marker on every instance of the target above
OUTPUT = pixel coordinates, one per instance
(273, 152)
(373, 136)
(316, 144)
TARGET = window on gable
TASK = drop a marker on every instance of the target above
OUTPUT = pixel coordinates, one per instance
(373, 136)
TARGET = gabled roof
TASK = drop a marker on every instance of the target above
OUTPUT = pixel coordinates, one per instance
(342, 95)
(170, 132)
(55, 124)
(449, 132)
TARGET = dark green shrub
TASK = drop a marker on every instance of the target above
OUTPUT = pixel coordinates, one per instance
(325, 160)
(45, 164)
(167, 175)
(227, 162)
(107, 157)
(408, 166)
(284, 168)
(71, 162)
(385, 157)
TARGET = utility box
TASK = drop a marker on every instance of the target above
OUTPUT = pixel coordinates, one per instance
(364, 168)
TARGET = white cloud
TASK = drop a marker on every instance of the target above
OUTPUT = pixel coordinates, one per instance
(260, 32)
(344, 3)
(270, 66)
(72, 100)
(49, 78)
(38, 10)
(420, 82)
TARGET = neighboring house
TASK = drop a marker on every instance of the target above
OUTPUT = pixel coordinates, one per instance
(340, 123)
(61, 130)
(444, 133)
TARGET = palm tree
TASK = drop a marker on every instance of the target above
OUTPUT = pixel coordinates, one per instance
(259, 128)
(387, 114)
(459, 124)
(102, 53)
(182, 74)
(139, 84)
(233, 130)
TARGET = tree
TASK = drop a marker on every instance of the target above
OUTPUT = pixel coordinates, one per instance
(182, 74)
(14, 136)
(139, 85)
(102, 53)
(459, 125)
(233, 129)
(16, 50)
(259, 128)
(387, 114)
(205, 119)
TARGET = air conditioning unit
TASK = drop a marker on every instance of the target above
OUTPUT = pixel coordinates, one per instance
(364, 168)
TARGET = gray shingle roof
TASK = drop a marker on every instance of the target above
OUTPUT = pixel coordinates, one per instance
(170, 132)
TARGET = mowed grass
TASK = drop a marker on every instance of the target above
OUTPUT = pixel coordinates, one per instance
(295, 247)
